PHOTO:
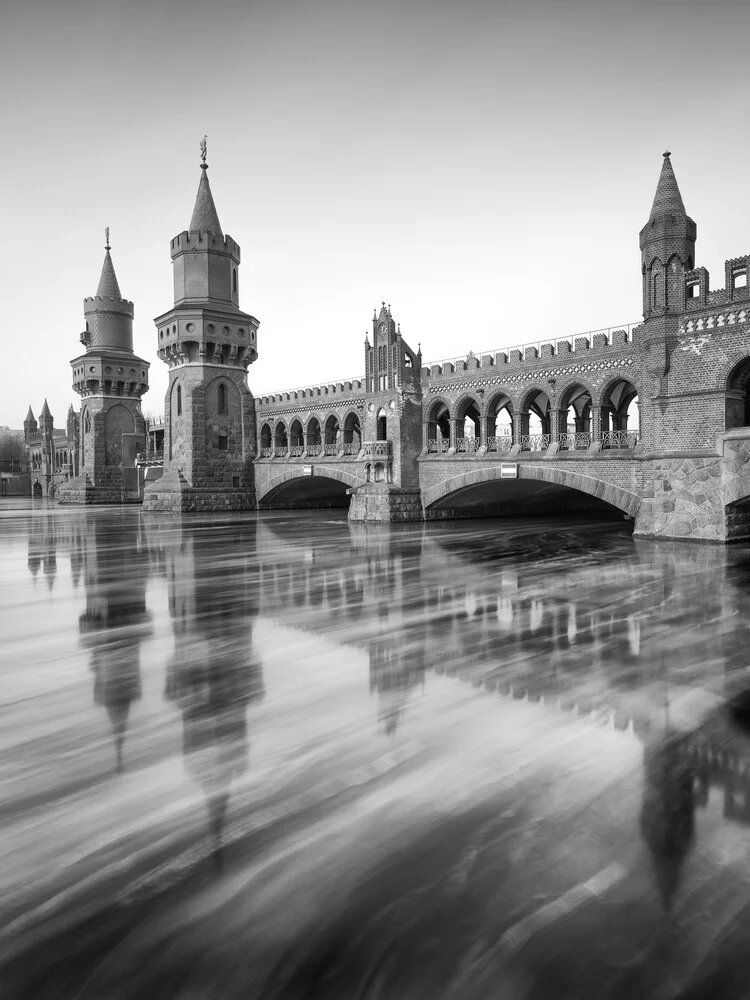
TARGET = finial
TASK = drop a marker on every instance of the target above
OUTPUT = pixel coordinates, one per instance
(666, 154)
(106, 239)
(204, 165)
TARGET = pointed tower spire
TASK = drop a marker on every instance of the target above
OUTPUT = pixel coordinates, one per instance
(45, 411)
(30, 416)
(205, 217)
(108, 287)
(667, 200)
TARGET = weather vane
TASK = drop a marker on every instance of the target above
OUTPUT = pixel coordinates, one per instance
(203, 148)
(106, 239)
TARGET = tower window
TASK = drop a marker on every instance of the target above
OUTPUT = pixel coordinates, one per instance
(234, 280)
(179, 400)
(222, 442)
(739, 279)
(694, 291)
(222, 398)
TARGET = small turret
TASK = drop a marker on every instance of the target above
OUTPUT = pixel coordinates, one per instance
(109, 317)
(667, 244)
(46, 421)
(30, 427)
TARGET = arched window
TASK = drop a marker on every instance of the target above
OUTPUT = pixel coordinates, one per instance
(222, 398)
(179, 400)
(382, 426)
(234, 280)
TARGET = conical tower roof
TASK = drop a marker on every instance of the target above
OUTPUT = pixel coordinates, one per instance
(205, 217)
(30, 416)
(667, 200)
(45, 411)
(108, 287)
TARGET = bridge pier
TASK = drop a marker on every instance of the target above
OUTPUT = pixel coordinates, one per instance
(381, 502)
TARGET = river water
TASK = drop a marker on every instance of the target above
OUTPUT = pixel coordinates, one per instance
(281, 756)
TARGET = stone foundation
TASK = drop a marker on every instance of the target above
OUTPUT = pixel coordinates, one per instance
(82, 490)
(173, 493)
(380, 502)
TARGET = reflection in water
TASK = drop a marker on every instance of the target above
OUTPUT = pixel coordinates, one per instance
(213, 674)
(563, 793)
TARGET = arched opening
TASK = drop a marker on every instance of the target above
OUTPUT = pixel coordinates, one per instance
(280, 440)
(468, 425)
(332, 433)
(179, 400)
(535, 421)
(296, 439)
(438, 428)
(382, 426)
(234, 280)
(620, 416)
(737, 404)
(576, 407)
(379, 472)
(352, 435)
(221, 398)
(305, 492)
(500, 423)
(313, 444)
(265, 442)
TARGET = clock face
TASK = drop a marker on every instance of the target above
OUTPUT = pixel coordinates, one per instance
(382, 329)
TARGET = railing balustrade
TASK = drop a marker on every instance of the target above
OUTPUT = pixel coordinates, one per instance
(575, 442)
(501, 442)
(266, 452)
(351, 447)
(280, 451)
(468, 444)
(313, 449)
(438, 446)
(330, 448)
(296, 450)
(619, 439)
(378, 449)
(534, 442)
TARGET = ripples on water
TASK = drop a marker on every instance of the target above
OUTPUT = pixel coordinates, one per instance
(284, 757)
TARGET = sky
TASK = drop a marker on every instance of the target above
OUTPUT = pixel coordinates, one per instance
(483, 166)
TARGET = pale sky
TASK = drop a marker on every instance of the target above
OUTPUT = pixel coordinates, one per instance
(484, 167)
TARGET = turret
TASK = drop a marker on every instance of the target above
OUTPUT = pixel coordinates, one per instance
(667, 244)
(109, 317)
(30, 427)
(46, 421)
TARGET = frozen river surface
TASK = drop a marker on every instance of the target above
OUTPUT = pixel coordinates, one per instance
(279, 756)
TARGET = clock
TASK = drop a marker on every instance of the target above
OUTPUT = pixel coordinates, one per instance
(382, 329)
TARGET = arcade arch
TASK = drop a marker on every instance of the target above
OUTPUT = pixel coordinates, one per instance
(438, 427)
(313, 439)
(576, 406)
(500, 423)
(468, 423)
(280, 439)
(737, 404)
(352, 435)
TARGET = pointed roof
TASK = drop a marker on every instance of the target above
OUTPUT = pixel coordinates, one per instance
(30, 416)
(108, 287)
(667, 200)
(205, 217)
(45, 411)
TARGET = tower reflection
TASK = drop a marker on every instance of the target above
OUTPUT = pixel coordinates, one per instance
(213, 673)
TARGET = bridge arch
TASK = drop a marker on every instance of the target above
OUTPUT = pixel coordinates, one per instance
(624, 500)
(294, 488)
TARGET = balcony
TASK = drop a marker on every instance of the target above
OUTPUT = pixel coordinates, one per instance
(378, 451)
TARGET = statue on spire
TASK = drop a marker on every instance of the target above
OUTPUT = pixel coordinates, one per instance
(106, 239)
(203, 148)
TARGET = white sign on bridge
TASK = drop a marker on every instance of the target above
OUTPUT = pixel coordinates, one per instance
(508, 470)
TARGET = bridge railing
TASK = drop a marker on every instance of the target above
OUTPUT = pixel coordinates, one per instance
(619, 439)
(378, 449)
(502, 442)
(534, 442)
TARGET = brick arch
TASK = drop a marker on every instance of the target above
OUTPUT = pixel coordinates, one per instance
(728, 367)
(463, 398)
(572, 381)
(624, 500)
(430, 405)
(313, 416)
(321, 472)
(533, 390)
(611, 380)
(492, 393)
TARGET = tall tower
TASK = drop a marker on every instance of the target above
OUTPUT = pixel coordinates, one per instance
(111, 379)
(208, 343)
(392, 426)
(667, 244)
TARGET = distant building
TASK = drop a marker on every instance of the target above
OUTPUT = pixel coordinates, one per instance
(50, 454)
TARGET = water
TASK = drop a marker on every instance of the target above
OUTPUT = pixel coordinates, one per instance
(279, 756)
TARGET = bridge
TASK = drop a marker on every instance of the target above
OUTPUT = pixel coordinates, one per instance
(572, 423)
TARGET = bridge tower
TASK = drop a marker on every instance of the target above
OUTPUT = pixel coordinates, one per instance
(667, 244)
(208, 343)
(111, 379)
(392, 426)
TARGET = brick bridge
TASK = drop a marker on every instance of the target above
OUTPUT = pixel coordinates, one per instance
(652, 420)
